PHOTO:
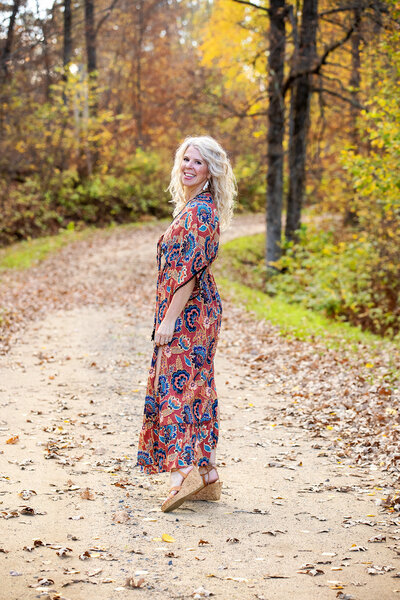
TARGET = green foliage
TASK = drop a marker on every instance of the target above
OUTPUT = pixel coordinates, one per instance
(374, 176)
(36, 207)
(251, 180)
(295, 321)
(322, 274)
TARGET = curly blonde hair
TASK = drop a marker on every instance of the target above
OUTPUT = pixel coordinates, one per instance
(222, 182)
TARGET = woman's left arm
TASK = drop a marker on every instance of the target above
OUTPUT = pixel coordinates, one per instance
(166, 328)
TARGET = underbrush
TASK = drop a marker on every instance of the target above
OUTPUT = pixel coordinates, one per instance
(344, 279)
(39, 207)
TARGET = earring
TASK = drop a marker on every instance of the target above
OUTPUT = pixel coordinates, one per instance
(205, 186)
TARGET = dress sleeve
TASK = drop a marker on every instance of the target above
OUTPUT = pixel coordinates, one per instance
(197, 246)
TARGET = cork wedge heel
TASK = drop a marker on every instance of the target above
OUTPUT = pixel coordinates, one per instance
(192, 483)
(211, 492)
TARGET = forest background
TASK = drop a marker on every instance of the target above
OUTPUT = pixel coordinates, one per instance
(95, 95)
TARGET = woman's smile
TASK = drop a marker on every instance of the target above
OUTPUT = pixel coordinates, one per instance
(194, 169)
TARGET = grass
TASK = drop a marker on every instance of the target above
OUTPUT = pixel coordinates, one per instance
(294, 321)
(240, 276)
(28, 253)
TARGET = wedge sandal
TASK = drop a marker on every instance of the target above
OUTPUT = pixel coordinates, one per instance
(192, 483)
(210, 491)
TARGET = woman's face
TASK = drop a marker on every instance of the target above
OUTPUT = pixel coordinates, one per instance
(194, 169)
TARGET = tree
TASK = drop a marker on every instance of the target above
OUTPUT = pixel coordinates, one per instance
(6, 50)
(300, 115)
(276, 120)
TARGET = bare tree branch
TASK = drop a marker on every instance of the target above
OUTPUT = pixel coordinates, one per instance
(106, 15)
(246, 3)
(317, 67)
(347, 99)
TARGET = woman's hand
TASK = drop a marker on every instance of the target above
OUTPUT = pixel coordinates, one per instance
(166, 328)
(164, 332)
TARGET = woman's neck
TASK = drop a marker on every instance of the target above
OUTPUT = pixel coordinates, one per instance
(190, 194)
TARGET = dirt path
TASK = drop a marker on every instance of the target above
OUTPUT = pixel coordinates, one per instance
(297, 519)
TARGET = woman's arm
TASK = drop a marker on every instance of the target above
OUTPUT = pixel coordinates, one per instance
(165, 330)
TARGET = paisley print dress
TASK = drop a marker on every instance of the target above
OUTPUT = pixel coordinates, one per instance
(180, 425)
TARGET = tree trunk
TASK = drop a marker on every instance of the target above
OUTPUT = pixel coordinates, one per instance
(90, 36)
(350, 217)
(276, 115)
(6, 53)
(355, 77)
(46, 57)
(90, 108)
(300, 110)
(138, 60)
(67, 49)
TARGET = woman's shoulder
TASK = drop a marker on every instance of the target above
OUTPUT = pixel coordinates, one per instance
(203, 203)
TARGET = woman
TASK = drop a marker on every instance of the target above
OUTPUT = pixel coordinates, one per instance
(180, 426)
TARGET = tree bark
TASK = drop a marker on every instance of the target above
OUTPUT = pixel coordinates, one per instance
(91, 105)
(67, 49)
(90, 36)
(350, 217)
(138, 60)
(355, 77)
(276, 116)
(6, 53)
(300, 111)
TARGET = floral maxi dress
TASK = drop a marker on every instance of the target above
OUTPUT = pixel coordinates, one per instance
(180, 425)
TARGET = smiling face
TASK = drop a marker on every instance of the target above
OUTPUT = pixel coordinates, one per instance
(194, 170)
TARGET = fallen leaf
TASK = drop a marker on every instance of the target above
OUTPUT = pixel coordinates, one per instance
(94, 573)
(70, 571)
(201, 592)
(121, 516)
(131, 583)
(309, 569)
(44, 581)
(87, 494)
(63, 551)
(26, 494)
(378, 538)
(9, 514)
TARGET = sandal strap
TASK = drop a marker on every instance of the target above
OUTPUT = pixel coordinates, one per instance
(205, 476)
(184, 475)
(176, 488)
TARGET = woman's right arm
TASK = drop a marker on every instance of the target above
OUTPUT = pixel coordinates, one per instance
(166, 329)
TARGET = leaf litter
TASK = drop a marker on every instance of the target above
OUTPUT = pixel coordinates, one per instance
(310, 406)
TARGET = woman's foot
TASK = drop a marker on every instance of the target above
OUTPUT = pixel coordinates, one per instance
(185, 482)
(212, 485)
(209, 474)
(175, 480)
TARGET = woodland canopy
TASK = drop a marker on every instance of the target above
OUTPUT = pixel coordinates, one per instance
(97, 94)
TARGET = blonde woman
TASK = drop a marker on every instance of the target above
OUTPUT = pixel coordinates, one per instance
(180, 426)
